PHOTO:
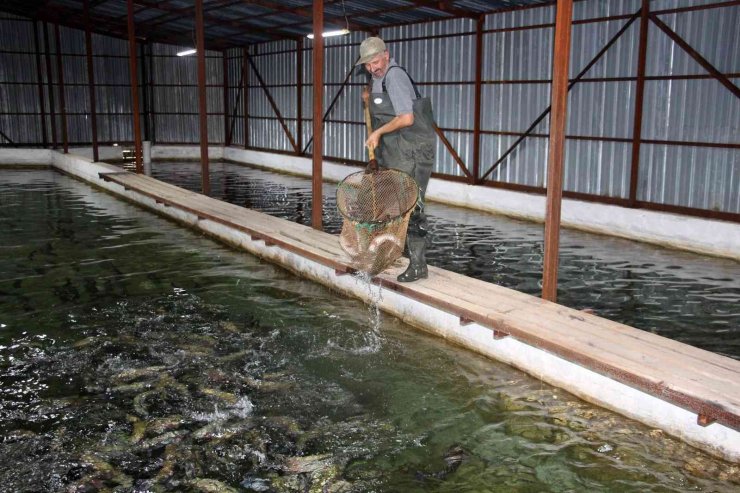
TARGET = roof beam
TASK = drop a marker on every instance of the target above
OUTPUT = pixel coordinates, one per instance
(446, 7)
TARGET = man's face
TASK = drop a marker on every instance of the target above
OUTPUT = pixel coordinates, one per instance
(378, 65)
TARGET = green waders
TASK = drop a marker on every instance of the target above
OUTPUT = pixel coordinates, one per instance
(411, 150)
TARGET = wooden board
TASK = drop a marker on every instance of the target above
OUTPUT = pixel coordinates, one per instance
(698, 380)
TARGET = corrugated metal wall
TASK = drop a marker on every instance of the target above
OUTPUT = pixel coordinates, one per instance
(517, 59)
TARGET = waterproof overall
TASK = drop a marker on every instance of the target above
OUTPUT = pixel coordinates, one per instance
(411, 150)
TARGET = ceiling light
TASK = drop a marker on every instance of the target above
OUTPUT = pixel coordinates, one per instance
(329, 34)
(190, 51)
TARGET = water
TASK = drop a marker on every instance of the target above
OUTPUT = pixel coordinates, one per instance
(139, 356)
(690, 298)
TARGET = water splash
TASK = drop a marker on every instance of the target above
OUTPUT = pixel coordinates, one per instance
(373, 339)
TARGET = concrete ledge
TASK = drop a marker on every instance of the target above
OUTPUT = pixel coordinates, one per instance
(160, 151)
(25, 157)
(720, 238)
(590, 385)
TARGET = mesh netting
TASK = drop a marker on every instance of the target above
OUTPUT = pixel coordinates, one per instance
(376, 208)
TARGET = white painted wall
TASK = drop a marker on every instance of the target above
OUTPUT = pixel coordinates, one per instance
(19, 157)
(721, 238)
(185, 152)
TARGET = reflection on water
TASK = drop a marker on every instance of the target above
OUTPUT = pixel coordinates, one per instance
(683, 296)
(138, 356)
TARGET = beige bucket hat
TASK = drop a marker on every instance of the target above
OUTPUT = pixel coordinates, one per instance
(369, 49)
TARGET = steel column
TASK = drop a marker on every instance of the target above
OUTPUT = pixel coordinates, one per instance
(227, 134)
(318, 104)
(237, 100)
(145, 88)
(299, 93)
(133, 66)
(246, 97)
(200, 46)
(40, 83)
(558, 121)
(477, 102)
(62, 99)
(91, 81)
(639, 99)
(52, 112)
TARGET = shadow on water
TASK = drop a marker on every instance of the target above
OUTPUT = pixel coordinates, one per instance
(139, 356)
(683, 296)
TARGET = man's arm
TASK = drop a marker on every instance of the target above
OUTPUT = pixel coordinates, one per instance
(400, 121)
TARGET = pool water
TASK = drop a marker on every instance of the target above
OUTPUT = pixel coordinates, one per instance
(139, 356)
(683, 296)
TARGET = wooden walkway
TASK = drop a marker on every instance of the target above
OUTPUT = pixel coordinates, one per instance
(697, 380)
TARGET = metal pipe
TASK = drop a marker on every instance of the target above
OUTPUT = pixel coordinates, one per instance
(318, 104)
(200, 46)
(133, 66)
(558, 121)
(246, 97)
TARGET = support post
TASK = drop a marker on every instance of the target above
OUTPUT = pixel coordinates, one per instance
(62, 99)
(477, 103)
(318, 104)
(299, 92)
(202, 107)
(639, 98)
(558, 121)
(245, 77)
(227, 134)
(133, 66)
(145, 87)
(91, 81)
(40, 83)
(49, 80)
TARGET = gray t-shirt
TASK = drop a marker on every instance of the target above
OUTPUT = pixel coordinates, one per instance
(399, 87)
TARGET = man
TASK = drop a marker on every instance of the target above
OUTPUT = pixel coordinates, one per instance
(403, 138)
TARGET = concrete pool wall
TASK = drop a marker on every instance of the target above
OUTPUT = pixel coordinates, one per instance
(592, 386)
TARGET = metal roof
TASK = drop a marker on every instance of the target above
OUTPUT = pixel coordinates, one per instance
(232, 23)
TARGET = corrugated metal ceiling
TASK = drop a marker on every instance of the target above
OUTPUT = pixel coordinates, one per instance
(231, 23)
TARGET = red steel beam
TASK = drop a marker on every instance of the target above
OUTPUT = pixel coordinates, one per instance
(570, 86)
(133, 66)
(245, 55)
(318, 105)
(639, 98)
(478, 98)
(62, 99)
(202, 106)
(558, 121)
(274, 105)
(91, 81)
(696, 56)
(227, 134)
(40, 83)
(52, 111)
(299, 92)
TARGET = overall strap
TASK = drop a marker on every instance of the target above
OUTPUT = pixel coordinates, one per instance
(418, 94)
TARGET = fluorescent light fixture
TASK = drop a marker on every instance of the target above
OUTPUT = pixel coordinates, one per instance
(190, 51)
(329, 34)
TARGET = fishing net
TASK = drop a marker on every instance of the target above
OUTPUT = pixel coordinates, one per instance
(376, 208)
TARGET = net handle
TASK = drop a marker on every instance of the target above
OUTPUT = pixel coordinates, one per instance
(369, 125)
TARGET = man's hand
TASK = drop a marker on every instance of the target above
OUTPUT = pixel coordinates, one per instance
(373, 140)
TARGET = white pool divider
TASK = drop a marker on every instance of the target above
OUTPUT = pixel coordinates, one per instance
(591, 386)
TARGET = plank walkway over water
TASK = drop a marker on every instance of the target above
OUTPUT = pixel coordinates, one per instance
(694, 379)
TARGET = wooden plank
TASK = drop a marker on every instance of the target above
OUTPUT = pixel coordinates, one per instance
(695, 379)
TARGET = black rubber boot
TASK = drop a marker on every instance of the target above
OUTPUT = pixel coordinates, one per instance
(417, 268)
